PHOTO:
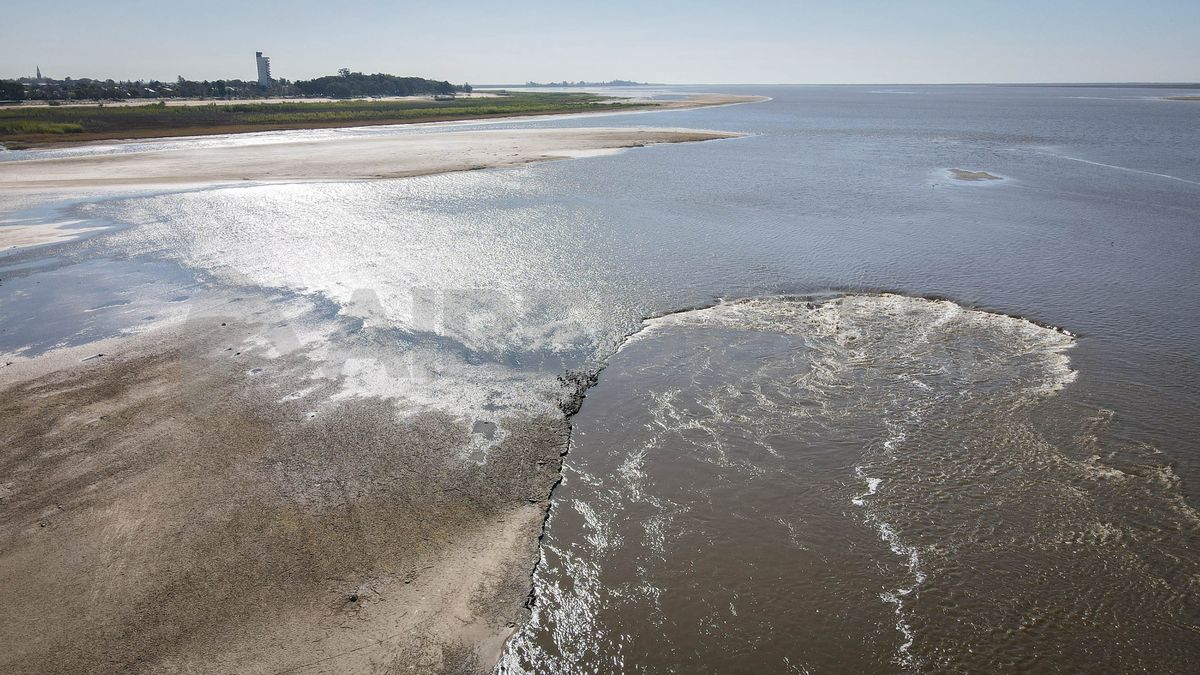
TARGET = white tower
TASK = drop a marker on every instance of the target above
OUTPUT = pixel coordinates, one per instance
(264, 69)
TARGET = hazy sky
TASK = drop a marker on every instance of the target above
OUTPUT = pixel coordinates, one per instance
(675, 41)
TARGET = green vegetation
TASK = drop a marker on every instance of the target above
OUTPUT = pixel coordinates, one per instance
(38, 127)
(31, 124)
(349, 85)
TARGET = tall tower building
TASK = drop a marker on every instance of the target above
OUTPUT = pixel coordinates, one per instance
(264, 69)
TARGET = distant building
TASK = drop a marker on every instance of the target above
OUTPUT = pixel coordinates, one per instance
(39, 72)
(264, 69)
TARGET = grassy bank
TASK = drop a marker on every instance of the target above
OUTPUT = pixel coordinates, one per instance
(30, 126)
(26, 126)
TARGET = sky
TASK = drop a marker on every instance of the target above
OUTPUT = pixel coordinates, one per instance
(669, 41)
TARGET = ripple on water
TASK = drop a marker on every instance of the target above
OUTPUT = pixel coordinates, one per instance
(868, 482)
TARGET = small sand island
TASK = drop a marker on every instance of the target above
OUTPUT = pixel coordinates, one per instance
(972, 176)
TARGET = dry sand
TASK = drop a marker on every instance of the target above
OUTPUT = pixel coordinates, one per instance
(353, 158)
(707, 101)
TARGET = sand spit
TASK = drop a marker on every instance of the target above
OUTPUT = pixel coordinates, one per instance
(354, 158)
(709, 100)
(166, 507)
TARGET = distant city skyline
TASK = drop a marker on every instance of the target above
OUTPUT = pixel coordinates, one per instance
(859, 41)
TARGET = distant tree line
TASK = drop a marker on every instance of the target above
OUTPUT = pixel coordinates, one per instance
(352, 85)
(344, 85)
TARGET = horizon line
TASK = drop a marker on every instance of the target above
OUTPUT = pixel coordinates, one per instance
(551, 83)
(1159, 83)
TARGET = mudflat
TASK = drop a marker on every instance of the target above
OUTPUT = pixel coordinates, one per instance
(167, 506)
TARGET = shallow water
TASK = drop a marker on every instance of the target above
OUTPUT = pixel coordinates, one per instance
(748, 488)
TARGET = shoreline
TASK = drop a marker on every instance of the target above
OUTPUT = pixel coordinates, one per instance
(183, 497)
(636, 105)
(324, 160)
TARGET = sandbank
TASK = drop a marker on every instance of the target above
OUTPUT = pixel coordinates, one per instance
(353, 158)
(972, 176)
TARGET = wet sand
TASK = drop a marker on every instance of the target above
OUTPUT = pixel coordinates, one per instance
(18, 236)
(166, 508)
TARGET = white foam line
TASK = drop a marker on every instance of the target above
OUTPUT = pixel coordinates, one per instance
(1125, 168)
(889, 536)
